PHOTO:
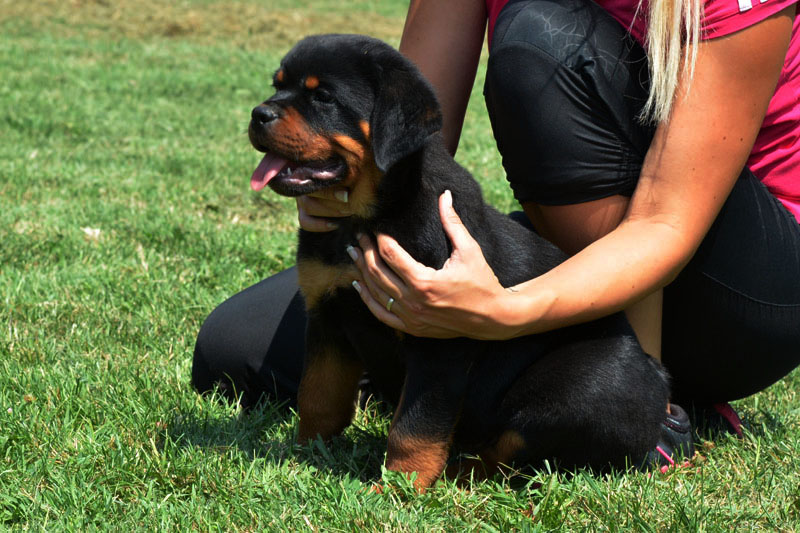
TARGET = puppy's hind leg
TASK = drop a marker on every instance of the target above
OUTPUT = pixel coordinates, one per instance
(326, 398)
(595, 403)
(493, 459)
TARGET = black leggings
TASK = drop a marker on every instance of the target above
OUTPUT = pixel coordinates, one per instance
(563, 89)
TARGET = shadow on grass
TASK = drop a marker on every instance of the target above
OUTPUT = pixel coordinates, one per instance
(269, 432)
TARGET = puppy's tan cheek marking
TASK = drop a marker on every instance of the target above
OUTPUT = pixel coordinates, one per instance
(365, 197)
(312, 82)
(296, 137)
(292, 126)
(364, 174)
(350, 145)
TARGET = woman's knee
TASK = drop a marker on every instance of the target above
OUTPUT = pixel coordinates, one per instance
(564, 90)
(577, 35)
(252, 344)
(574, 33)
(220, 363)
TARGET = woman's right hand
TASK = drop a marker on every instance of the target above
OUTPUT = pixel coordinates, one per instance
(317, 212)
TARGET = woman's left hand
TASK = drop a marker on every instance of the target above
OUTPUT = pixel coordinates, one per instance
(462, 299)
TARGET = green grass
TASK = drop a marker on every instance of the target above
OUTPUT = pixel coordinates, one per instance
(126, 216)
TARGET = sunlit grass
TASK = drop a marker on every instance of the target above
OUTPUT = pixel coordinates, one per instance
(126, 217)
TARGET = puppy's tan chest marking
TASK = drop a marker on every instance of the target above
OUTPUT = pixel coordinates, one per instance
(317, 279)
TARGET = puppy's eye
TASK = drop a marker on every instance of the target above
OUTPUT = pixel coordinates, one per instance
(323, 95)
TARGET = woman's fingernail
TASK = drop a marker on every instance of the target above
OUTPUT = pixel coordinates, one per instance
(448, 198)
(351, 252)
(332, 225)
(357, 286)
(341, 195)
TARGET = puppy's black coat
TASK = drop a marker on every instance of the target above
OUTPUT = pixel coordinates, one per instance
(351, 111)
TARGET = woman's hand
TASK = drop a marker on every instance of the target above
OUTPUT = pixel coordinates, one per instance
(318, 211)
(462, 299)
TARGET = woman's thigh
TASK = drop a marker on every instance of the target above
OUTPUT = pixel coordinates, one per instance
(732, 317)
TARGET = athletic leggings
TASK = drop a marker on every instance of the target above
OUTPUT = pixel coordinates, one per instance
(564, 86)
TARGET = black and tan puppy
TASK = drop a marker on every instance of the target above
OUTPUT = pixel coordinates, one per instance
(351, 111)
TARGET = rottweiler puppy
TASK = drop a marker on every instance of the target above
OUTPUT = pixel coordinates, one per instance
(352, 111)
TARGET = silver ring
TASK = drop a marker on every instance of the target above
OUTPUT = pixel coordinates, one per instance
(389, 304)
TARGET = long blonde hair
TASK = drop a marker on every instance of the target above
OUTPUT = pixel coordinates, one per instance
(673, 31)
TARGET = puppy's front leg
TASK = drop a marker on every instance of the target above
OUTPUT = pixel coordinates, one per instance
(326, 398)
(422, 429)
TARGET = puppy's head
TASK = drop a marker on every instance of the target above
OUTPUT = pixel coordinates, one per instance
(346, 108)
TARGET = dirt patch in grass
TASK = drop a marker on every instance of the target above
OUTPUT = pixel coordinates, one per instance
(252, 25)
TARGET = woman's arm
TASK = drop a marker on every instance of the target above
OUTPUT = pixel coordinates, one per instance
(693, 162)
(444, 39)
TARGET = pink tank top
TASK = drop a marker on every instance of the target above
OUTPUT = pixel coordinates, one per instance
(775, 158)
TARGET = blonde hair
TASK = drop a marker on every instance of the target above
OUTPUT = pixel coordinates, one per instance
(673, 31)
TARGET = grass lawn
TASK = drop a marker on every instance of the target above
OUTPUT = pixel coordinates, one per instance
(126, 216)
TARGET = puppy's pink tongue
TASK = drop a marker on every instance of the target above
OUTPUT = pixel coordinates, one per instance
(267, 169)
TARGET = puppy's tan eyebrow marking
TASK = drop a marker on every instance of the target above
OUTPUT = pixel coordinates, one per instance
(280, 75)
(312, 82)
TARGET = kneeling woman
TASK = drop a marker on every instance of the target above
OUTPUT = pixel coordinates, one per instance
(678, 198)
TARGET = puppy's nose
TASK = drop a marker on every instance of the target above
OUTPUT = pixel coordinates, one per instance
(263, 114)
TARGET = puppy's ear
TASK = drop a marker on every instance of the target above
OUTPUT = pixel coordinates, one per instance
(406, 111)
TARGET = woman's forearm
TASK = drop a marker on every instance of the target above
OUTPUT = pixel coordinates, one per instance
(607, 276)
